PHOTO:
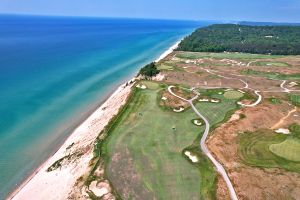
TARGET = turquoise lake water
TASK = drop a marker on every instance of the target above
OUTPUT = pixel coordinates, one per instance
(55, 70)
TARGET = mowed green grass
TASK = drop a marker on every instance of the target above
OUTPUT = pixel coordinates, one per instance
(295, 99)
(233, 94)
(254, 150)
(289, 149)
(165, 67)
(270, 64)
(271, 75)
(155, 138)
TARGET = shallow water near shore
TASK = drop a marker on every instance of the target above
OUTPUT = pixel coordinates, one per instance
(55, 70)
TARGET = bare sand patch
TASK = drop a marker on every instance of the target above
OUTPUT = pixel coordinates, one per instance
(283, 131)
(192, 157)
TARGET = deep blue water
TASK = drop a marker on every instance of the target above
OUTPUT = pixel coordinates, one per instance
(55, 70)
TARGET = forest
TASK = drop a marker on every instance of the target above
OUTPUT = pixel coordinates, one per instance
(275, 40)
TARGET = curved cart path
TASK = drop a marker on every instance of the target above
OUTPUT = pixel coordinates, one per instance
(204, 148)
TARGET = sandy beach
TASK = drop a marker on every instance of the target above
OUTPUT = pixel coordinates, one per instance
(170, 50)
(58, 184)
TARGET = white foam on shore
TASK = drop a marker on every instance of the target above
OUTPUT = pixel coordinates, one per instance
(170, 50)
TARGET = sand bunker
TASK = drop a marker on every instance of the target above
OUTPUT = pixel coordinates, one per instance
(215, 101)
(193, 158)
(164, 98)
(283, 131)
(197, 122)
(143, 87)
(292, 84)
(178, 110)
(100, 189)
(204, 100)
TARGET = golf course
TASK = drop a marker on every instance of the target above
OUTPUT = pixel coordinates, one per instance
(148, 142)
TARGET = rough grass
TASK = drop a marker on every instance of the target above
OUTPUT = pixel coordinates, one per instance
(274, 100)
(155, 138)
(254, 150)
(289, 149)
(233, 94)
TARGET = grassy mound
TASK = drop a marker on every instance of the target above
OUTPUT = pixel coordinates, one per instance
(233, 94)
(289, 149)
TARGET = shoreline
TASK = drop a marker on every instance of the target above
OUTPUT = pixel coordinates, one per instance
(91, 110)
(33, 182)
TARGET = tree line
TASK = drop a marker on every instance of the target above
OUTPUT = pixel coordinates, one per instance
(275, 40)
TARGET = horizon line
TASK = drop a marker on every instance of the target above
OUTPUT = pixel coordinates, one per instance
(145, 18)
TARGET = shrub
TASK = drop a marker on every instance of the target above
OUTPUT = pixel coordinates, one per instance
(149, 70)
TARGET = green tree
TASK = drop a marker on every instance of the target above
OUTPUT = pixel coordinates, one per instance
(149, 70)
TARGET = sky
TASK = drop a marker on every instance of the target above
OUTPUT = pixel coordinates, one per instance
(222, 10)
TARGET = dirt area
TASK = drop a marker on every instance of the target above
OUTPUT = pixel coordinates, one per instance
(222, 191)
(251, 182)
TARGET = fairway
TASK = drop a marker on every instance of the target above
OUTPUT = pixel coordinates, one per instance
(146, 149)
(295, 99)
(289, 149)
(240, 56)
(233, 94)
(271, 75)
(270, 64)
(165, 67)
